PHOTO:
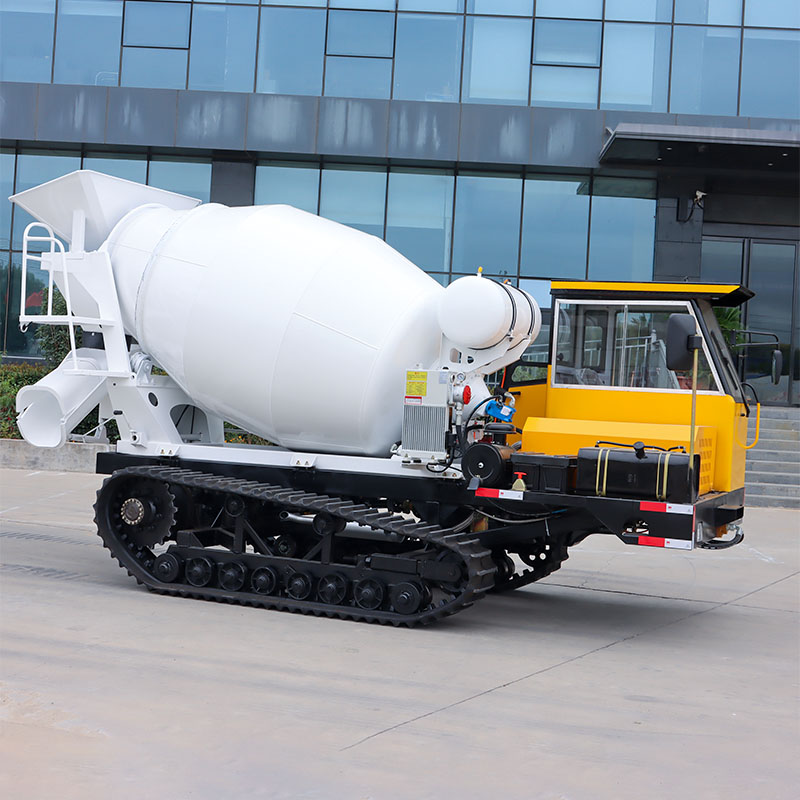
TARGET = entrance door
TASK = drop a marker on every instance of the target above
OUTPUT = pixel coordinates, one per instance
(770, 269)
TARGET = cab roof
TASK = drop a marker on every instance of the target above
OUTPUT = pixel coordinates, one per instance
(718, 294)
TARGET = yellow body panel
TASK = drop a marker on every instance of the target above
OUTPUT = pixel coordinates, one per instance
(573, 417)
(557, 436)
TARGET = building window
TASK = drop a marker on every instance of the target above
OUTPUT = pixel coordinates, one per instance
(568, 43)
(354, 196)
(451, 6)
(496, 60)
(709, 12)
(131, 168)
(154, 68)
(639, 10)
(705, 70)
(427, 60)
(555, 226)
(419, 217)
(293, 184)
(290, 51)
(772, 13)
(26, 41)
(157, 24)
(87, 42)
(487, 218)
(359, 49)
(223, 52)
(6, 189)
(622, 230)
(635, 67)
(573, 9)
(513, 8)
(184, 176)
(769, 60)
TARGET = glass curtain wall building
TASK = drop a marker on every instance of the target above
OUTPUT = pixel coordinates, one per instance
(536, 139)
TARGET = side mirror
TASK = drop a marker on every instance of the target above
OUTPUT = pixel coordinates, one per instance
(680, 355)
(777, 366)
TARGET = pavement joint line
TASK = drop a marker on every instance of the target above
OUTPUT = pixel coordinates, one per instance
(566, 661)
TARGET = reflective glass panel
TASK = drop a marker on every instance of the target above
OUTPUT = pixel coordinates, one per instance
(639, 10)
(453, 6)
(6, 189)
(87, 42)
(5, 274)
(358, 77)
(561, 42)
(317, 3)
(32, 170)
(255, 2)
(635, 67)
(192, 178)
(157, 24)
(771, 273)
(486, 230)
(766, 55)
(573, 87)
(555, 227)
(359, 33)
(705, 70)
(223, 53)
(427, 58)
(132, 168)
(26, 40)
(721, 261)
(419, 217)
(18, 343)
(709, 12)
(622, 231)
(517, 8)
(375, 5)
(496, 60)
(772, 13)
(293, 184)
(354, 197)
(290, 51)
(154, 68)
(571, 9)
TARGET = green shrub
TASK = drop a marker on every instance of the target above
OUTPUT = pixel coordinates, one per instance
(53, 340)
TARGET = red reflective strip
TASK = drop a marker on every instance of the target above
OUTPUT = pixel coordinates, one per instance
(647, 506)
(652, 541)
(487, 493)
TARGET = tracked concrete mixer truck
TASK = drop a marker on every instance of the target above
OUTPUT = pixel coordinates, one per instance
(424, 447)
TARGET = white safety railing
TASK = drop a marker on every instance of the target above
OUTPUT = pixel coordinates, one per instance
(55, 257)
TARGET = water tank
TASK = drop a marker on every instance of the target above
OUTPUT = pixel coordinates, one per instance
(289, 325)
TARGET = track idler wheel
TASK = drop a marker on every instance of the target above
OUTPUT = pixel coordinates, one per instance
(231, 576)
(406, 597)
(369, 594)
(199, 571)
(264, 580)
(332, 589)
(167, 567)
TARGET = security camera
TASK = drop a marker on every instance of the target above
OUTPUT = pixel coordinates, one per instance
(698, 196)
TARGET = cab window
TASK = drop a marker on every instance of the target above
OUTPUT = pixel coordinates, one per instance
(620, 345)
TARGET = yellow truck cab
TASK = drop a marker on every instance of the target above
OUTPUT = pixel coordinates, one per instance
(601, 397)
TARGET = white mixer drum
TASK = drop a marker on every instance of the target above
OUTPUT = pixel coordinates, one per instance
(291, 326)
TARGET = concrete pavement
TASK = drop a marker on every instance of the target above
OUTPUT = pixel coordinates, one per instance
(630, 673)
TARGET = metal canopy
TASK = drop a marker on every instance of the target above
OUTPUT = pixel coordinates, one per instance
(739, 149)
(718, 294)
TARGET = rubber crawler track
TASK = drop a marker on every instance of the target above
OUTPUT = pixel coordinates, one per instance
(479, 569)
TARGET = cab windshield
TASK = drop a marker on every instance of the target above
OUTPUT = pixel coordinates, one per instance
(621, 345)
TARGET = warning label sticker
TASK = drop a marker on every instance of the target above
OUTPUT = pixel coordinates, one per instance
(416, 383)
